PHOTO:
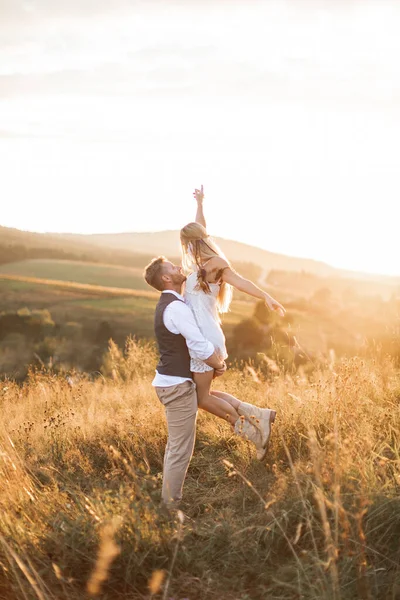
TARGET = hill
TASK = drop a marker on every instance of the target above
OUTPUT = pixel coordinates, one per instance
(17, 245)
(135, 249)
(167, 242)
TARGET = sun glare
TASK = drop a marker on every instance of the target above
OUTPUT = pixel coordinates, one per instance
(293, 134)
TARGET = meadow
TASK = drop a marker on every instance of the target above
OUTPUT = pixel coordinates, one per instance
(87, 293)
(84, 317)
(79, 318)
(81, 464)
(82, 437)
(78, 272)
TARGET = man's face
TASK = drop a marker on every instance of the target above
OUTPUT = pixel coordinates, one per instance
(173, 273)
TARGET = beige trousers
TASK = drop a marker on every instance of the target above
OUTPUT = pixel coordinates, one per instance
(180, 403)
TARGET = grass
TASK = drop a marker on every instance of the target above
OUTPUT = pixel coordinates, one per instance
(81, 464)
(128, 311)
(79, 287)
(86, 292)
(78, 272)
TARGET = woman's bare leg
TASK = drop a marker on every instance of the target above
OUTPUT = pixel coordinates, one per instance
(228, 398)
(223, 405)
(215, 405)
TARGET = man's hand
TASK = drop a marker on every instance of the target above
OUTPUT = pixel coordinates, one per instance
(199, 195)
(219, 372)
(274, 305)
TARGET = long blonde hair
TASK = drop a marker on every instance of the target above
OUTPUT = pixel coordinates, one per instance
(197, 248)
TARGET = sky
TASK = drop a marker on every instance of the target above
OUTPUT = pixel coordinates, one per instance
(287, 111)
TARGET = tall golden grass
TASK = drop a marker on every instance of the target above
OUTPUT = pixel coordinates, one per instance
(81, 462)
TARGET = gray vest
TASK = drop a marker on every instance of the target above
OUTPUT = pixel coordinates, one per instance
(174, 354)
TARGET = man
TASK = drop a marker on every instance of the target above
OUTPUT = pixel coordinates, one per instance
(176, 331)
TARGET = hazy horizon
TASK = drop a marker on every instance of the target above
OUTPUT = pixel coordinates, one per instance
(306, 258)
(287, 112)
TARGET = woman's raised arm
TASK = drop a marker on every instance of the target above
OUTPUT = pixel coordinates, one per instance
(199, 196)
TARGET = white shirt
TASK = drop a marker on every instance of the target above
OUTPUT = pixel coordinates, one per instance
(178, 318)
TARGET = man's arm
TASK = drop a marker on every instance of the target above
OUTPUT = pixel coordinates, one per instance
(181, 320)
(214, 361)
(199, 196)
(178, 318)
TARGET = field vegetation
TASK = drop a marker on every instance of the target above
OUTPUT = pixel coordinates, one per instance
(82, 437)
(68, 325)
(81, 464)
(78, 272)
(86, 315)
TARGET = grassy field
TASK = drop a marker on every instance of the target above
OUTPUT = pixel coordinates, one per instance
(90, 303)
(346, 327)
(131, 311)
(81, 466)
(78, 272)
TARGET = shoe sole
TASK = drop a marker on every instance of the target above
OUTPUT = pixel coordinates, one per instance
(272, 416)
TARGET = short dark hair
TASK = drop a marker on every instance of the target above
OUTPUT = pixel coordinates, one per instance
(153, 273)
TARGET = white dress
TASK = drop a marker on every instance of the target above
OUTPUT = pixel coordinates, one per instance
(204, 307)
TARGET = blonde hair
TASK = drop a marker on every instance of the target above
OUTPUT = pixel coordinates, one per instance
(197, 248)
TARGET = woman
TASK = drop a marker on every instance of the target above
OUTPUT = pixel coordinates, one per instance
(209, 292)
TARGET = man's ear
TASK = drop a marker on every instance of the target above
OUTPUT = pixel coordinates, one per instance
(166, 278)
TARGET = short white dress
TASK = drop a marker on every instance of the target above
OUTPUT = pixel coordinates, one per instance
(204, 307)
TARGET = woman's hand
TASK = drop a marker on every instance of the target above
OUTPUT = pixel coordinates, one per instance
(274, 305)
(199, 195)
(221, 371)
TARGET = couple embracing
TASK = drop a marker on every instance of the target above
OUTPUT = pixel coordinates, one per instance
(192, 348)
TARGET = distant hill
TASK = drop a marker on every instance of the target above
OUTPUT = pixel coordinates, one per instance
(167, 242)
(17, 245)
(136, 250)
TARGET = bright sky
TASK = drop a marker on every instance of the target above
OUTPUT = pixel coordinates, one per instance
(287, 111)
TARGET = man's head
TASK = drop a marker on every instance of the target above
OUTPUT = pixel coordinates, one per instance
(162, 274)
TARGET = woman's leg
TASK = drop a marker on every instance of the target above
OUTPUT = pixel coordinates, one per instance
(228, 398)
(243, 408)
(221, 405)
(213, 404)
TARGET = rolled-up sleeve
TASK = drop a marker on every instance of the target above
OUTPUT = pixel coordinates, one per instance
(178, 318)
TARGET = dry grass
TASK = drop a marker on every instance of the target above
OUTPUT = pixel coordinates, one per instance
(81, 465)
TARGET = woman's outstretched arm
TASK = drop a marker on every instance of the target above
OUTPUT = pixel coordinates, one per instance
(199, 196)
(248, 287)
